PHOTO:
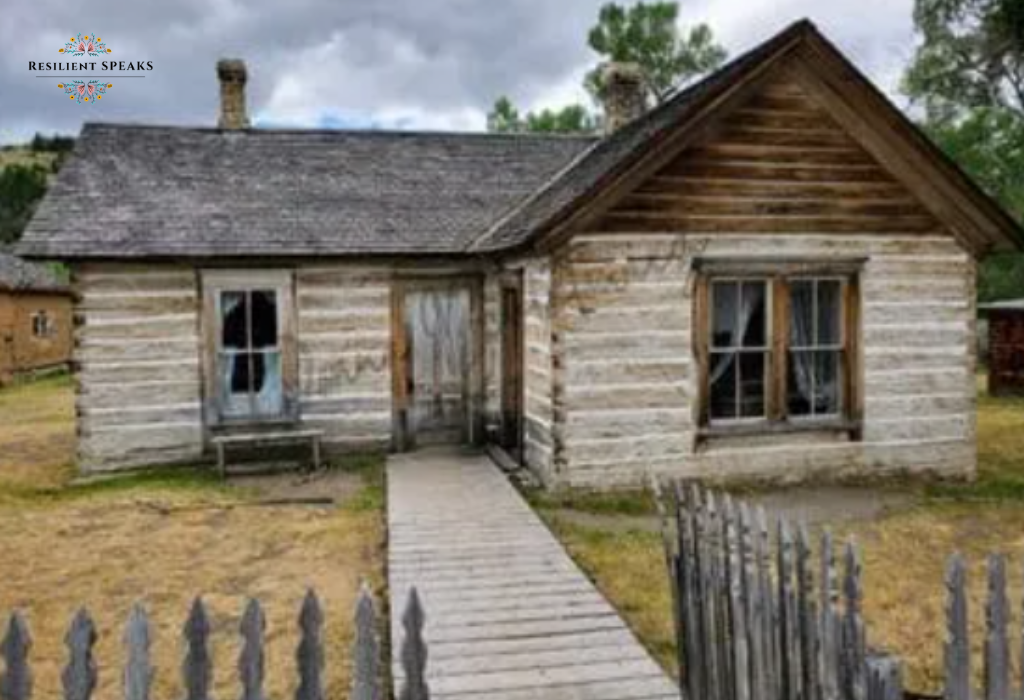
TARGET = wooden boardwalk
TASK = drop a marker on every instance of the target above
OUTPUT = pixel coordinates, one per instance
(509, 615)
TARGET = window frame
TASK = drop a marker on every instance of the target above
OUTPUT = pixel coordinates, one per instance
(214, 284)
(43, 325)
(778, 276)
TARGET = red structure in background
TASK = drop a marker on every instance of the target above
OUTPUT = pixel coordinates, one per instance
(1006, 347)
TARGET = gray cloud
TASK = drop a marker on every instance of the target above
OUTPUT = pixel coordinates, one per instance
(415, 63)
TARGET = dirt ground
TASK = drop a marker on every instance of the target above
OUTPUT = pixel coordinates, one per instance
(166, 537)
(905, 532)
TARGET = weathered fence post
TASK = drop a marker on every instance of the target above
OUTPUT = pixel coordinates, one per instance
(365, 650)
(138, 671)
(854, 646)
(80, 674)
(737, 607)
(251, 658)
(196, 667)
(828, 643)
(997, 649)
(309, 656)
(16, 681)
(414, 651)
(807, 623)
(957, 645)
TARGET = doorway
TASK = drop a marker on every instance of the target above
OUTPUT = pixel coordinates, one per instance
(436, 363)
(512, 388)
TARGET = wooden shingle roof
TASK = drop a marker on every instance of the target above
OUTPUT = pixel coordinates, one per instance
(140, 191)
(20, 275)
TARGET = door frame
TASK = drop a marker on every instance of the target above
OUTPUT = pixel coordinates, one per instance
(512, 399)
(402, 437)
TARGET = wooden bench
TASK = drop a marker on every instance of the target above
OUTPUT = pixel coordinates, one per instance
(265, 438)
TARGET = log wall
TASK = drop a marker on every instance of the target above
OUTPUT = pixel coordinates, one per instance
(344, 331)
(136, 354)
(626, 383)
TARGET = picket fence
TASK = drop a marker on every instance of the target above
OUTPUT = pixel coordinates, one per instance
(754, 621)
(368, 681)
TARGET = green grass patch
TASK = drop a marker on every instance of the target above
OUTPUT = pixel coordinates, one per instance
(631, 502)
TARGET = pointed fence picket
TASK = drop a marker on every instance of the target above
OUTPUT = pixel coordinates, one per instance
(757, 619)
(79, 676)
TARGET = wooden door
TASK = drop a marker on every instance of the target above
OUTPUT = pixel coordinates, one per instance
(512, 368)
(438, 358)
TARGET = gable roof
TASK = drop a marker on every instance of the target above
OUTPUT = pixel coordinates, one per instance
(132, 191)
(666, 130)
(138, 191)
(23, 276)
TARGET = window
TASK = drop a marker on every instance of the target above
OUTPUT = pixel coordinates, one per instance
(776, 346)
(249, 357)
(249, 351)
(43, 325)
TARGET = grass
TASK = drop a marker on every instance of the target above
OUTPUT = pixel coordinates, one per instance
(163, 537)
(904, 552)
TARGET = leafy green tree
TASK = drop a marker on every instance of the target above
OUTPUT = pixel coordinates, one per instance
(648, 34)
(21, 188)
(971, 56)
(968, 75)
(505, 118)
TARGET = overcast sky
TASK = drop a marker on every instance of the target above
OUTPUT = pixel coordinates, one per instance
(412, 64)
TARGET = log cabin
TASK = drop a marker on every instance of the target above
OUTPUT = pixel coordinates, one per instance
(769, 276)
(35, 319)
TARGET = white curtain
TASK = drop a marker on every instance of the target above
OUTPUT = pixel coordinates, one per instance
(802, 335)
(726, 319)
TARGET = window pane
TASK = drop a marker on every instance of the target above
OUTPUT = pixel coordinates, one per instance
(826, 382)
(267, 383)
(801, 313)
(233, 313)
(723, 385)
(800, 382)
(264, 319)
(724, 303)
(752, 384)
(829, 312)
(753, 314)
(237, 370)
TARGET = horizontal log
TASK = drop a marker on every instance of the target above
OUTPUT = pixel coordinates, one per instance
(131, 442)
(675, 205)
(629, 448)
(136, 328)
(625, 371)
(374, 342)
(912, 382)
(335, 299)
(185, 370)
(775, 118)
(93, 350)
(605, 319)
(950, 427)
(758, 170)
(772, 189)
(341, 425)
(915, 358)
(156, 304)
(343, 276)
(169, 282)
(122, 394)
(335, 379)
(786, 136)
(579, 401)
(92, 417)
(888, 407)
(379, 321)
(606, 346)
(801, 154)
(333, 404)
(641, 221)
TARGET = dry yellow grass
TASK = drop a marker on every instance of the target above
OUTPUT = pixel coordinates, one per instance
(904, 556)
(163, 540)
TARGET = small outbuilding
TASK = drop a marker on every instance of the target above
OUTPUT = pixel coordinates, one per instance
(1005, 347)
(35, 318)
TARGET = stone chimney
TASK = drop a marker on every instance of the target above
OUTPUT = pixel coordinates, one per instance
(231, 72)
(624, 94)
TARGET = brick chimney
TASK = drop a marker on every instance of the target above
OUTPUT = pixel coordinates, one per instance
(231, 72)
(624, 94)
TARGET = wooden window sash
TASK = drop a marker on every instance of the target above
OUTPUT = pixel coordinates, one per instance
(777, 418)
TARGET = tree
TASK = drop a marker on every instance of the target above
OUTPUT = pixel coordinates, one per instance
(968, 75)
(505, 118)
(648, 34)
(21, 188)
(971, 56)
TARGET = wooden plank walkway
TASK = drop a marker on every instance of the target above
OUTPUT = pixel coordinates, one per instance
(509, 615)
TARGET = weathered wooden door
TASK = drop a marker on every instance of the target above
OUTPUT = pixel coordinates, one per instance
(438, 357)
(512, 368)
